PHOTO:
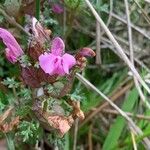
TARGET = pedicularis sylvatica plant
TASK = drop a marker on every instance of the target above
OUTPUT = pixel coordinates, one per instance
(42, 99)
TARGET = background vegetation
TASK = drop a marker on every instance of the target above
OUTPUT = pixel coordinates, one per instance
(103, 127)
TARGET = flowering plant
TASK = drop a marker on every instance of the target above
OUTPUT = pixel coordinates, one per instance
(48, 66)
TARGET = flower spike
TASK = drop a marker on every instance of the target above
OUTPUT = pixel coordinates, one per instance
(13, 50)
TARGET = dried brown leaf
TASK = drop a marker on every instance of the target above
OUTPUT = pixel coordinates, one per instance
(35, 50)
(61, 123)
(29, 77)
(7, 127)
(52, 121)
(5, 114)
(77, 112)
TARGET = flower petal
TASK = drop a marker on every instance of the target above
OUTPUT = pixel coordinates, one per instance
(10, 55)
(87, 52)
(8, 40)
(13, 50)
(46, 62)
(65, 67)
(58, 66)
(39, 32)
(34, 23)
(57, 8)
(68, 62)
(57, 47)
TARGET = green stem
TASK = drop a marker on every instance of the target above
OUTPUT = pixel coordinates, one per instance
(45, 105)
(10, 141)
(15, 95)
(137, 139)
(37, 9)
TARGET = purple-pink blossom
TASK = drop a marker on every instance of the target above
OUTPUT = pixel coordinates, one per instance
(56, 62)
(57, 8)
(13, 50)
(87, 52)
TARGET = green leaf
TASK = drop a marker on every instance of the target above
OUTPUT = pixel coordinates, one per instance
(30, 132)
(37, 9)
(10, 82)
(118, 126)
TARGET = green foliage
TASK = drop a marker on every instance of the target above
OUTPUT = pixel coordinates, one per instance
(77, 95)
(24, 60)
(100, 6)
(57, 141)
(2, 106)
(91, 99)
(25, 94)
(30, 132)
(1, 18)
(77, 27)
(24, 111)
(10, 82)
(74, 4)
(10, 141)
(119, 124)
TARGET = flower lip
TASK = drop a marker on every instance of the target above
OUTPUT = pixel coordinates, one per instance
(57, 63)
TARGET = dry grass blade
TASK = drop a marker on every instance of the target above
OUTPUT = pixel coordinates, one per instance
(148, 1)
(114, 112)
(109, 45)
(143, 12)
(132, 25)
(118, 47)
(133, 140)
(75, 134)
(98, 43)
(134, 128)
(114, 97)
(90, 143)
(132, 54)
(5, 114)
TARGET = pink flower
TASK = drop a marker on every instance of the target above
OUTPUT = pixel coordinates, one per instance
(56, 62)
(57, 8)
(87, 52)
(13, 50)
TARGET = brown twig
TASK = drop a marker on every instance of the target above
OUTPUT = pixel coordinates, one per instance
(114, 112)
(75, 134)
(90, 143)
